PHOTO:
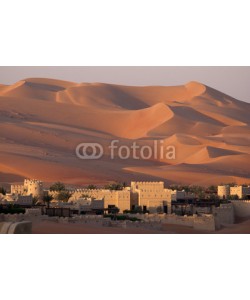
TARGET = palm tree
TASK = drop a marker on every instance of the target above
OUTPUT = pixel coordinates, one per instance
(63, 196)
(2, 190)
(91, 187)
(47, 199)
(57, 187)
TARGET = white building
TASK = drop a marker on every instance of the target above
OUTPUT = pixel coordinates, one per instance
(24, 200)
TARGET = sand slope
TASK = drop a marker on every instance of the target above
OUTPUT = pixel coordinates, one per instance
(43, 120)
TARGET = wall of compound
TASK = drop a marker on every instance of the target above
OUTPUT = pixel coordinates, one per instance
(17, 189)
(204, 222)
(223, 191)
(241, 208)
(121, 199)
(223, 215)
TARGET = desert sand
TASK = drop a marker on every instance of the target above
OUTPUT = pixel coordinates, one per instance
(43, 120)
(46, 227)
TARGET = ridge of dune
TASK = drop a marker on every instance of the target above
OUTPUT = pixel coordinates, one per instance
(209, 153)
(36, 88)
(50, 81)
(192, 93)
(183, 139)
(195, 88)
(9, 88)
(214, 152)
(105, 96)
(139, 123)
(225, 118)
(210, 98)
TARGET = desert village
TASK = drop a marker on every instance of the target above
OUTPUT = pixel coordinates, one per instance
(47, 133)
(145, 205)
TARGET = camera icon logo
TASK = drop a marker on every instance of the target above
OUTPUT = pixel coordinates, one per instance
(89, 151)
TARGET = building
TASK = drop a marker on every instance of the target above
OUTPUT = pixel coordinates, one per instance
(17, 189)
(223, 191)
(111, 198)
(177, 195)
(241, 191)
(30, 187)
(151, 196)
(24, 200)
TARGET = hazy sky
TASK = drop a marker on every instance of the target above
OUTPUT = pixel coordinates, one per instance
(234, 81)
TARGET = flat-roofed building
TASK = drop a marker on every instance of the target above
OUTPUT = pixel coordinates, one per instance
(120, 198)
(151, 195)
(24, 200)
(223, 191)
(30, 187)
(240, 191)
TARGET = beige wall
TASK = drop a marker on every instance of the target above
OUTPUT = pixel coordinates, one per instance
(240, 191)
(34, 187)
(241, 208)
(224, 214)
(30, 186)
(120, 199)
(150, 194)
(17, 189)
(223, 191)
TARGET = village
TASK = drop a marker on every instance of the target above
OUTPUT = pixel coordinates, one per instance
(145, 205)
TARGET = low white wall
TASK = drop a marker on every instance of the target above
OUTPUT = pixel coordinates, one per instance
(203, 222)
(22, 217)
(221, 215)
(16, 227)
(33, 211)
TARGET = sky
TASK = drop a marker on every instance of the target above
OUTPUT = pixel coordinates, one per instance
(233, 81)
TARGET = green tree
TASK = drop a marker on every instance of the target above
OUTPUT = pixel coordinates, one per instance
(212, 188)
(114, 186)
(91, 187)
(85, 196)
(34, 200)
(199, 191)
(159, 210)
(47, 199)
(2, 190)
(63, 196)
(233, 197)
(213, 197)
(137, 209)
(57, 187)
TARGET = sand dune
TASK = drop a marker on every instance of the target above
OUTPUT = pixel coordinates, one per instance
(209, 153)
(43, 120)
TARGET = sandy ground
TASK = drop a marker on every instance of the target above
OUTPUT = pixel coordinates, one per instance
(241, 227)
(56, 228)
(42, 121)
